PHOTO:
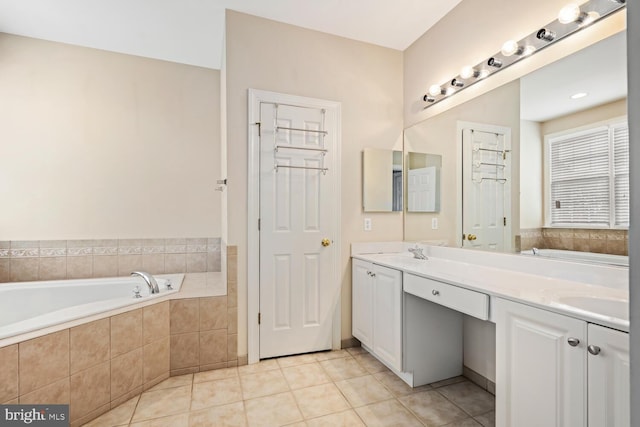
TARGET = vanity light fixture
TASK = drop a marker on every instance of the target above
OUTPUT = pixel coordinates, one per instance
(546, 35)
(514, 51)
(511, 47)
(468, 72)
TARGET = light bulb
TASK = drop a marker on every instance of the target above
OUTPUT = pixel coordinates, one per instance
(467, 72)
(569, 13)
(510, 47)
(449, 91)
(435, 90)
(528, 50)
(591, 16)
(483, 73)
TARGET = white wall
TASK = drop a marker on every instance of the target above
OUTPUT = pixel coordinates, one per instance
(531, 175)
(366, 79)
(96, 144)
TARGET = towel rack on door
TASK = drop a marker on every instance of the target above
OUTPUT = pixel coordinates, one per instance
(293, 147)
(323, 170)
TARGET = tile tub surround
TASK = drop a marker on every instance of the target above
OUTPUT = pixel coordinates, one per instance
(22, 261)
(614, 242)
(317, 389)
(98, 365)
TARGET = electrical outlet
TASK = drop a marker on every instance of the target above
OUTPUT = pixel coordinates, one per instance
(434, 223)
(367, 224)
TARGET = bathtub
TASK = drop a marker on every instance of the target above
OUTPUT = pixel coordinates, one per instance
(30, 306)
(589, 257)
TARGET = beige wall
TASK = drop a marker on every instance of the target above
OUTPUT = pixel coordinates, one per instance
(366, 79)
(593, 115)
(99, 144)
(437, 135)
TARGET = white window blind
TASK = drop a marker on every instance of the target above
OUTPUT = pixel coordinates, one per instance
(589, 177)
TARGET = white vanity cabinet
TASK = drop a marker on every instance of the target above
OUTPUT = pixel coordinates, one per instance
(555, 370)
(377, 310)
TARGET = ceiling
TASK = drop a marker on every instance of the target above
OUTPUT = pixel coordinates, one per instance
(191, 31)
(599, 70)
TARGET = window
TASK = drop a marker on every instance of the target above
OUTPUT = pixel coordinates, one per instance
(588, 174)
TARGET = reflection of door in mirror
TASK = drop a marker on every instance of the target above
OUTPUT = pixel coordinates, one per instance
(486, 180)
(423, 182)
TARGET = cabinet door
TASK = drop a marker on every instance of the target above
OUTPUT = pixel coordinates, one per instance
(540, 376)
(362, 302)
(387, 320)
(609, 404)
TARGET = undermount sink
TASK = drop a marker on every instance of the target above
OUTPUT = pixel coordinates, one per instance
(617, 308)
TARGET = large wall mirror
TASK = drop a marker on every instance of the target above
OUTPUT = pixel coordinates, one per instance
(571, 103)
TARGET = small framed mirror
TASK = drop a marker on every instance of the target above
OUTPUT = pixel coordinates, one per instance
(423, 182)
(381, 180)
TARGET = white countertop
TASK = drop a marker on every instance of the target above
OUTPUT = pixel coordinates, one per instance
(597, 294)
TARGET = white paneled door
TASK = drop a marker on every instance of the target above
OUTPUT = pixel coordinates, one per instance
(298, 289)
(486, 180)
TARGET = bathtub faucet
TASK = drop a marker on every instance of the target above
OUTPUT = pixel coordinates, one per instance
(535, 251)
(149, 279)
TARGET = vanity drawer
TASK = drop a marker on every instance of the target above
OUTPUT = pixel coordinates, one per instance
(473, 303)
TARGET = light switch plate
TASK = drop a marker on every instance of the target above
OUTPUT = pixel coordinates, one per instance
(367, 224)
(434, 223)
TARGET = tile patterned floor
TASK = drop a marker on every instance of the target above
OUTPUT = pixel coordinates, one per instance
(337, 388)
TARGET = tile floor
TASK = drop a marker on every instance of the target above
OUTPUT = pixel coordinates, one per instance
(337, 388)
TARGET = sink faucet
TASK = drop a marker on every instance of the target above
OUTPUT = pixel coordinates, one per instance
(149, 279)
(417, 253)
(535, 251)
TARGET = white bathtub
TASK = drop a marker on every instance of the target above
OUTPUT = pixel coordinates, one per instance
(29, 306)
(590, 257)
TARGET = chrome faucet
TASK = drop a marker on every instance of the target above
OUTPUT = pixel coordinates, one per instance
(149, 279)
(417, 253)
(535, 251)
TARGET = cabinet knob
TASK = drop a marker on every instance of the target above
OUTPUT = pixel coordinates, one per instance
(573, 341)
(594, 349)
(435, 292)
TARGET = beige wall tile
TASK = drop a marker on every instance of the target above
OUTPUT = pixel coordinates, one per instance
(213, 313)
(54, 393)
(89, 345)
(126, 373)
(5, 270)
(175, 263)
(598, 245)
(213, 367)
(232, 294)
(232, 347)
(196, 263)
(12, 402)
(213, 346)
(156, 358)
(126, 332)
(8, 372)
(154, 382)
(129, 263)
(617, 247)
(79, 267)
(91, 416)
(43, 360)
(90, 390)
(232, 320)
(153, 263)
(155, 322)
(184, 371)
(105, 266)
(185, 350)
(185, 315)
(53, 268)
(213, 261)
(24, 269)
(232, 267)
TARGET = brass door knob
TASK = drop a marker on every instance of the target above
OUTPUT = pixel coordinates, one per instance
(326, 242)
(471, 237)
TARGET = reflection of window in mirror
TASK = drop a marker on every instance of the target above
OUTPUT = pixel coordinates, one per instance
(587, 172)
(382, 180)
(423, 182)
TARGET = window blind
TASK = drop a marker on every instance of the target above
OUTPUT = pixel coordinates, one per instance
(583, 167)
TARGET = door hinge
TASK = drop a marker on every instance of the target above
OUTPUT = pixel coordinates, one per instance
(259, 128)
(258, 224)
(504, 220)
(259, 318)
